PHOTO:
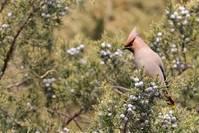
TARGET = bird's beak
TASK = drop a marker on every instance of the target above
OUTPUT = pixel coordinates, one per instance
(126, 48)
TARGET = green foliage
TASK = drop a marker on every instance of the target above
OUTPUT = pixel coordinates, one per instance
(51, 84)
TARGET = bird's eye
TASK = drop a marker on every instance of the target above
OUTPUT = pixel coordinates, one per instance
(129, 44)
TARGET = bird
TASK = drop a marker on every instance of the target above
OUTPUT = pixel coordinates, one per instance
(147, 59)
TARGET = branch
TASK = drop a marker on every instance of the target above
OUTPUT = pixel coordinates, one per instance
(12, 47)
(65, 115)
(74, 116)
(125, 127)
(121, 88)
(13, 43)
(3, 4)
(18, 84)
(46, 73)
(77, 124)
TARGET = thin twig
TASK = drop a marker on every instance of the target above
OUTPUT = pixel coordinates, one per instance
(13, 43)
(125, 127)
(119, 92)
(67, 116)
(3, 4)
(18, 84)
(121, 88)
(77, 124)
(75, 115)
(46, 73)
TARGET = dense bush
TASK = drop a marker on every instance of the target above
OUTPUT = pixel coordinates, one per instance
(80, 85)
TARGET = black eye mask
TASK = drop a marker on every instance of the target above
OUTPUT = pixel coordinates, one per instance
(130, 45)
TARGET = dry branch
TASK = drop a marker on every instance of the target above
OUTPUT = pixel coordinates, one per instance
(10, 52)
(70, 118)
(13, 45)
(75, 115)
(3, 4)
(18, 84)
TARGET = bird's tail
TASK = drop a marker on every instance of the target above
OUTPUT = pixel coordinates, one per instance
(168, 97)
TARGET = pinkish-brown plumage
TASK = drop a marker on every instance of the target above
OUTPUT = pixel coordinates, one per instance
(144, 57)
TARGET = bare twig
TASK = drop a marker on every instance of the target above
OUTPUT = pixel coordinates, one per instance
(46, 73)
(119, 92)
(13, 43)
(77, 124)
(68, 116)
(18, 84)
(75, 115)
(121, 88)
(3, 4)
(124, 130)
(125, 127)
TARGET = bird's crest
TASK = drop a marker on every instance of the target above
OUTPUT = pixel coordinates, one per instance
(131, 36)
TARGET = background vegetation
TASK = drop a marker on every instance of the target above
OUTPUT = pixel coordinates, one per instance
(63, 68)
